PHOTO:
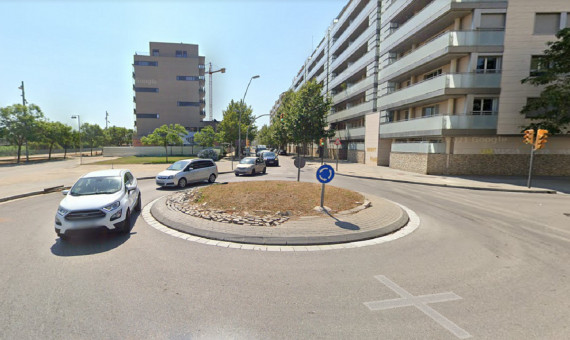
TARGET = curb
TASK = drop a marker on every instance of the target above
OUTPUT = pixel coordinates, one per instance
(156, 212)
(530, 191)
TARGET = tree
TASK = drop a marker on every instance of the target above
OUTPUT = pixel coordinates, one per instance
(53, 133)
(229, 125)
(165, 135)
(19, 124)
(265, 136)
(92, 135)
(207, 137)
(305, 120)
(278, 127)
(66, 138)
(118, 136)
(551, 110)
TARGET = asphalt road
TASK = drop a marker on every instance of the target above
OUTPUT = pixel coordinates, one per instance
(486, 265)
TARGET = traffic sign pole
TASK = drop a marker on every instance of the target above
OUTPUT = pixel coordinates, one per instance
(322, 195)
(325, 174)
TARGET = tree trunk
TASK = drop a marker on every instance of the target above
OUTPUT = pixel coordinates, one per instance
(91, 150)
(64, 153)
(19, 153)
(166, 152)
(50, 148)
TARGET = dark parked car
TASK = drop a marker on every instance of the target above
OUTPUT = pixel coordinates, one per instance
(270, 158)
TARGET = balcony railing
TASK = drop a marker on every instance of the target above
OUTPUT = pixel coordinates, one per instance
(352, 90)
(350, 133)
(347, 53)
(352, 112)
(438, 125)
(455, 83)
(439, 46)
(352, 69)
(355, 23)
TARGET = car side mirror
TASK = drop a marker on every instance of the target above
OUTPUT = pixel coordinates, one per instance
(130, 188)
(64, 192)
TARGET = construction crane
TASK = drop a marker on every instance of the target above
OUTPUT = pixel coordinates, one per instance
(210, 72)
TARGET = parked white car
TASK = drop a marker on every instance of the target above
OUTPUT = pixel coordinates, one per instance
(188, 171)
(99, 199)
(250, 166)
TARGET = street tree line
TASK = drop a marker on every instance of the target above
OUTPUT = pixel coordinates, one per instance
(25, 125)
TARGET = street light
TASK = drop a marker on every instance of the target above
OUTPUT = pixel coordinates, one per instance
(80, 145)
(239, 121)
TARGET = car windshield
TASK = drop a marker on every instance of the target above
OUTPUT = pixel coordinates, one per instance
(268, 154)
(247, 161)
(177, 166)
(96, 186)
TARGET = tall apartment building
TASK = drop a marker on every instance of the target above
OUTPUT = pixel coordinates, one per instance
(435, 86)
(169, 88)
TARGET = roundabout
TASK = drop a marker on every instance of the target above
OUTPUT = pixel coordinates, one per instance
(375, 221)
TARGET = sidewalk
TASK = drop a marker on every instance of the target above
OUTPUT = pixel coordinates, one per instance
(18, 180)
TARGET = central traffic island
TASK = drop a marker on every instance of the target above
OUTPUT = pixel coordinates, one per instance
(282, 213)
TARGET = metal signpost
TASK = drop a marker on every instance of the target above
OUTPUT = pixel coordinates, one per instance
(325, 174)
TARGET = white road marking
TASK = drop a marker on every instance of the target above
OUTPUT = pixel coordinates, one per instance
(413, 224)
(420, 302)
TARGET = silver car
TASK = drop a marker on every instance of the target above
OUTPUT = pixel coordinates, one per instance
(250, 166)
(188, 171)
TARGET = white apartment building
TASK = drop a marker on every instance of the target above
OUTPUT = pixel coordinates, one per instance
(435, 86)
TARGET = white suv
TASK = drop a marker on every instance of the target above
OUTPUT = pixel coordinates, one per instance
(100, 199)
(188, 171)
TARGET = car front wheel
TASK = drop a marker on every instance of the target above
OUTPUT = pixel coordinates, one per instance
(212, 178)
(127, 223)
(253, 172)
(138, 206)
(182, 183)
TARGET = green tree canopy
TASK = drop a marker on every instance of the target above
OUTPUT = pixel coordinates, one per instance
(19, 124)
(264, 137)
(228, 127)
(207, 137)
(551, 110)
(92, 135)
(118, 136)
(54, 133)
(165, 135)
(307, 109)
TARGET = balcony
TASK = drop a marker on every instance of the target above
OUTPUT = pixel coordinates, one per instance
(317, 67)
(355, 23)
(357, 43)
(441, 50)
(433, 18)
(444, 125)
(352, 112)
(344, 16)
(440, 88)
(364, 61)
(354, 89)
(419, 147)
(351, 133)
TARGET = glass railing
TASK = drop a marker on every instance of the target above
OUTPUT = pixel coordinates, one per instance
(355, 23)
(363, 38)
(435, 125)
(352, 69)
(352, 112)
(354, 89)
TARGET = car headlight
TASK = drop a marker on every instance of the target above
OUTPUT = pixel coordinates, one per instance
(112, 206)
(170, 177)
(61, 211)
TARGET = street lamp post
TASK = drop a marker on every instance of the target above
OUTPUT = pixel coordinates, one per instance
(80, 145)
(240, 111)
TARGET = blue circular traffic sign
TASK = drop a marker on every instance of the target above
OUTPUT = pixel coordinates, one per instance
(325, 173)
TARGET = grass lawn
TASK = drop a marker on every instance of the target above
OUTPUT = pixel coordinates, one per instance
(297, 198)
(144, 160)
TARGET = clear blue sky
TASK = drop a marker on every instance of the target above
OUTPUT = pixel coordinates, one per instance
(75, 57)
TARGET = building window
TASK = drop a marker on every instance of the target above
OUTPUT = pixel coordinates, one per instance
(146, 89)
(188, 104)
(492, 21)
(188, 78)
(484, 106)
(201, 66)
(433, 74)
(155, 53)
(488, 64)
(146, 63)
(147, 115)
(181, 54)
(538, 65)
(546, 23)
(429, 111)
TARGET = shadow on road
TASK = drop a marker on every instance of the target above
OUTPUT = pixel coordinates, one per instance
(343, 224)
(91, 242)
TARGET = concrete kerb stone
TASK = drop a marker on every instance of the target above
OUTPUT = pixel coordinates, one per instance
(264, 236)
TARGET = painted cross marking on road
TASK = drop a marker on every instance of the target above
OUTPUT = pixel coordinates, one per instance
(420, 302)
